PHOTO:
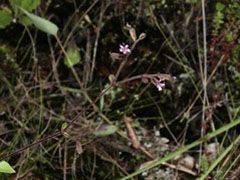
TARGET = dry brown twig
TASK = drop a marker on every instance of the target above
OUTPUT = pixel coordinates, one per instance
(136, 144)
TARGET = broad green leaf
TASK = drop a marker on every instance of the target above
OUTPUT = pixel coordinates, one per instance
(30, 5)
(42, 24)
(5, 17)
(106, 130)
(73, 56)
(15, 4)
(6, 168)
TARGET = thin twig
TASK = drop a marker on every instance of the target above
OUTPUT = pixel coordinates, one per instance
(31, 145)
(65, 161)
(97, 38)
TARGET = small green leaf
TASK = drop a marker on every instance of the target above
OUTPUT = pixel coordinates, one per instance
(30, 5)
(6, 168)
(229, 37)
(101, 103)
(106, 130)
(64, 133)
(219, 6)
(42, 24)
(73, 56)
(64, 125)
(5, 17)
(220, 15)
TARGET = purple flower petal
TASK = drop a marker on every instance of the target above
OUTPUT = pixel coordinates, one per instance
(124, 49)
(160, 85)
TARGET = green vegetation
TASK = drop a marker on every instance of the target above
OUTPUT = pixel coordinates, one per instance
(119, 89)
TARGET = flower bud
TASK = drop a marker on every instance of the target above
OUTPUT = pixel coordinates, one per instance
(133, 35)
(142, 36)
(132, 32)
(111, 78)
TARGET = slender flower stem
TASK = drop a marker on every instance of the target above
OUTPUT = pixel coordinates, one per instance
(149, 76)
(125, 61)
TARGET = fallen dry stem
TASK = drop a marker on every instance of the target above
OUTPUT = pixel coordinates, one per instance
(136, 144)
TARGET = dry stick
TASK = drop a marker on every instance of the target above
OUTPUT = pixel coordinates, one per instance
(65, 161)
(180, 168)
(136, 144)
(86, 65)
(34, 52)
(173, 166)
(94, 163)
(142, 148)
(131, 133)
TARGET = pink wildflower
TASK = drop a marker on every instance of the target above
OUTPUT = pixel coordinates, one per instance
(160, 85)
(124, 48)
